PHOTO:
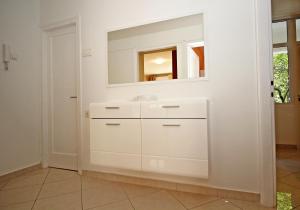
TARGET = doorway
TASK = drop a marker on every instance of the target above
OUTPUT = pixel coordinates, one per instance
(286, 71)
(61, 96)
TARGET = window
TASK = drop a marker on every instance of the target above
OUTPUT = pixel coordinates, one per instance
(281, 75)
(281, 63)
(279, 32)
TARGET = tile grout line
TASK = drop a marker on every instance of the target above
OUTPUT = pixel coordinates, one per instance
(116, 201)
(2, 188)
(177, 199)
(40, 189)
(81, 192)
(234, 204)
(207, 202)
(203, 204)
(104, 205)
(120, 185)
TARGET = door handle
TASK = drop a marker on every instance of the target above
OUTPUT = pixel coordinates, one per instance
(73, 97)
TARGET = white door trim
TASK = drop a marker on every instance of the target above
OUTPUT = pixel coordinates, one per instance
(266, 125)
(45, 87)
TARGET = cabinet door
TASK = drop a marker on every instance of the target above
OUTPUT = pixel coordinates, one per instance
(175, 146)
(116, 143)
(181, 138)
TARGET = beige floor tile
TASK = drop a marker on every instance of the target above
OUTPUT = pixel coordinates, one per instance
(37, 171)
(218, 205)
(19, 195)
(282, 172)
(59, 188)
(100, 196)
(21, 206)
(71, 201)
(92, 182)
(25, 180)
(123, 205)
(3, 183)
(292, 180)
(288, 165)
(190, 200)
(158, 201)
(245, 205)
(56, 175)
(133, 190)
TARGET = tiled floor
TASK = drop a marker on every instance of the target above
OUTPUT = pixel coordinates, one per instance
(288, 175)
(55, 189)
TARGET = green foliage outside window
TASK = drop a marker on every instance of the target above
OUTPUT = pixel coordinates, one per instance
(281, 77)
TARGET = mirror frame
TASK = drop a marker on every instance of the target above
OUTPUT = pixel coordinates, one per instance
(141, 23)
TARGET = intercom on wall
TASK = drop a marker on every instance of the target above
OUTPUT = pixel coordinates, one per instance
(6, 55)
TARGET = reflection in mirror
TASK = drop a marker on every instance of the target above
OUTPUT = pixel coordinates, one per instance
(166, 50)
(158, 65)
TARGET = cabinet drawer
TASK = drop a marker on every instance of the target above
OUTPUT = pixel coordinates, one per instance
(116, 135)
(175, 166)
(180, 138)
(188, 108)
(115, 110)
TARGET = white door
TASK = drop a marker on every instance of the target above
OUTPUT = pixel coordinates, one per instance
(63, 99)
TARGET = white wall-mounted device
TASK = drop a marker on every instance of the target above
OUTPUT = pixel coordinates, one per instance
(6, 55)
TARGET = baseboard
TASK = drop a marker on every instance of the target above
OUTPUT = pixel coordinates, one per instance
(17, 172)
(218, 192)
(286, 146)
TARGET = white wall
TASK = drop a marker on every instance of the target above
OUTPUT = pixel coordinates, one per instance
(232, 84)
(20, 86)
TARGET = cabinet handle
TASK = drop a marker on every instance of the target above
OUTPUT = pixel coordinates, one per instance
(113, 124)
(170, 106)
(112, 107)
(171, 125)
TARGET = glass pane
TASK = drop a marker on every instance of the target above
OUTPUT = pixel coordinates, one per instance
(279, 31)
(281, 75)
(298, 29)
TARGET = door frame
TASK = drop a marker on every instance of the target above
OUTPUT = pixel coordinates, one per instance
(266, 120)
(76, 21)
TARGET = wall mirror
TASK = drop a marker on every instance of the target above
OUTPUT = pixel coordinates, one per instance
(166, 50)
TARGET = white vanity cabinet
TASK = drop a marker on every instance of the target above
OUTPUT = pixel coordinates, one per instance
(163, 136)
(115, 133)
(174, 137)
